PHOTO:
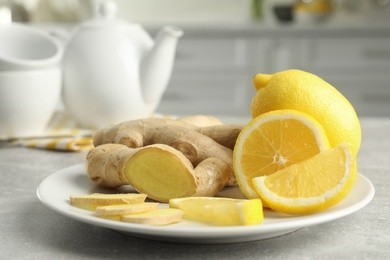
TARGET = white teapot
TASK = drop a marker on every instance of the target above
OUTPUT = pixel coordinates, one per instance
(113, 71)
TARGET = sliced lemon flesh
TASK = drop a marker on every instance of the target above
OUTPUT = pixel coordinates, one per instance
(274, 141)
(220, 211)
(312, 185)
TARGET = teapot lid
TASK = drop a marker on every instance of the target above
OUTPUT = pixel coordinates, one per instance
(105, 16)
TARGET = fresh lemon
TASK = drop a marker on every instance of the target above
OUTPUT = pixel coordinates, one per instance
(308, 93)
(310, 186)
(220, 211)
(273, 141)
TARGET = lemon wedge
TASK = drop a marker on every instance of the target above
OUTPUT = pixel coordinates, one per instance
(220, 211)
(312, 185)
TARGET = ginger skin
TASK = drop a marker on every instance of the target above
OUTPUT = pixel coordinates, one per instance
(137, 133)
(158, 170)
(106, 164)
(201, 120)
(134, 133)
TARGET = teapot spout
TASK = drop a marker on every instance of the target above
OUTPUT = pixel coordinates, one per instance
(156, 66)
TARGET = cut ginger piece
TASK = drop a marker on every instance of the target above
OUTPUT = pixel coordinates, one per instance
(155, 170)
(91, 201)
(125, 209)
(160, 216)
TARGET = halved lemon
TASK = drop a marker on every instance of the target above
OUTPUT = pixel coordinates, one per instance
(273, 141)
(312, 185)
(220, 211)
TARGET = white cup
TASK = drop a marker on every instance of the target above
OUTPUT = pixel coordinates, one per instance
(23, 47)
(28, 100)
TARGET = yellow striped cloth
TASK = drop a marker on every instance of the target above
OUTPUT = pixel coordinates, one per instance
(62, 134)
(62, 143)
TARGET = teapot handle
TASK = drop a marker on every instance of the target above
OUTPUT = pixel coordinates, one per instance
(106, 9)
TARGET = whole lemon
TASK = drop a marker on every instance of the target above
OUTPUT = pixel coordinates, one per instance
(308, 93)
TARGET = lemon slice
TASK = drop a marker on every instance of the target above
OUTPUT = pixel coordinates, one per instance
(273, 141)
(310, 186)
(220, 211)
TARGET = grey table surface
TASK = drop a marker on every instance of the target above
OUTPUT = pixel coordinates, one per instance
(30, 230)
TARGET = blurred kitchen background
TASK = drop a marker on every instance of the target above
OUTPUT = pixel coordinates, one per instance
(226, 42)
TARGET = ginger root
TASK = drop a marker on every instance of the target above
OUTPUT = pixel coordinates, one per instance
(205, 138)
(201, 120)
(165, 158)
(138, 133)
(158, 170)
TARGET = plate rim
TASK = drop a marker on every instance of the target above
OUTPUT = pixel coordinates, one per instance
(190, 234)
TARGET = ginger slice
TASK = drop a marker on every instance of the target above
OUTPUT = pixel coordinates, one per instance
(155, 217)
(92, 201)
(107, 199)
(125, 209)
(161, 172)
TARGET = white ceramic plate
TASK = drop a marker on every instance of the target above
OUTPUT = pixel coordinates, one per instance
(55, 190)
